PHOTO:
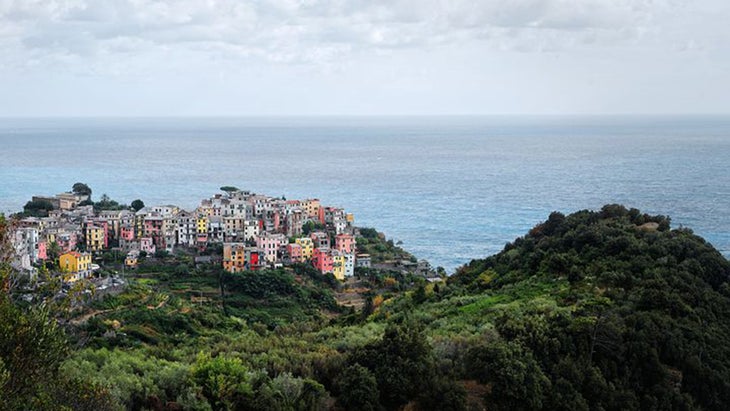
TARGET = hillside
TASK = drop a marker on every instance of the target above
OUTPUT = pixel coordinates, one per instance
(607, 310)
(600, 310)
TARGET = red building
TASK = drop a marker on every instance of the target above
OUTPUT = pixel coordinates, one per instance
(254, 260)
(322, 260)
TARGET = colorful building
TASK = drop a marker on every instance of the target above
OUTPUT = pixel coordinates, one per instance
(322, 260)
(147, 245)
(76, 265)
(201, 231)
(42, 250)
(295, 252)
(95, 238)
(126, 233)
(234, 257)
(307, 247)
(132, 259)
(345, 243)
(153, 229)
(254, 258)
(338, 265)
(271, 244)
(311, 207)
(66, 240)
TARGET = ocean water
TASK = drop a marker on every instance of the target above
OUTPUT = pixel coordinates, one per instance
(450, 188)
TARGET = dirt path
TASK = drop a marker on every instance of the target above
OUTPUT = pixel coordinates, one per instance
(86, 317)
(160, 305)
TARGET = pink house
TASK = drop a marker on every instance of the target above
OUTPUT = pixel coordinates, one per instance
(42, 250)
(126, 233)
(295, 252)
(270, 244)
(105, 227)
(277, 221)
(345, 243)
(147, 245)
(66, 241)
(153, 229)
(322, 260)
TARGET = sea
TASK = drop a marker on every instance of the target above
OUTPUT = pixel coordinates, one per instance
(447, 189)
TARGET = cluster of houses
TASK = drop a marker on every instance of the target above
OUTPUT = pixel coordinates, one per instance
(255, 231)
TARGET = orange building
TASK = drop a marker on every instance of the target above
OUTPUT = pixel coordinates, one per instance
(234, 257)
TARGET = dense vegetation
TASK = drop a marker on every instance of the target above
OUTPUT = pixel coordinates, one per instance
(603, 310)
(607, 310)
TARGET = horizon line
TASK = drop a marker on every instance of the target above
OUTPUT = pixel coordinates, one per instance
(234, 116)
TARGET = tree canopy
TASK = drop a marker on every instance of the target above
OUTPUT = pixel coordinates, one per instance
(81, 189)
(612, 310)
(137, 205)
(37, 208)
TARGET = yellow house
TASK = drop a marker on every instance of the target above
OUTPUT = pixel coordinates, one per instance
(338, 266)
(75, 264)
(202, 224)
(94, 238)
(132, 259)
(307, 247)
(139, 224)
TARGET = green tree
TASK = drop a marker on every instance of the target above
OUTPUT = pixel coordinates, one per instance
(419, 295)
(31, 348)
(516, 378)
(81, 189)
(53, 252)
(358, 389)
(137, 205)
(401, 362)
(224, 381)
(37, 208)
(311, 226)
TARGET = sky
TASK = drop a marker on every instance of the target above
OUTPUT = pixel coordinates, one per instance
(392, 57)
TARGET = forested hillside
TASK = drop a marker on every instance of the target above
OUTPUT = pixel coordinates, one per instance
(602, 310)
(597, 310)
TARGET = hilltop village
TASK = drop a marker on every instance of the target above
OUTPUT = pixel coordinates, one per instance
(253, 232)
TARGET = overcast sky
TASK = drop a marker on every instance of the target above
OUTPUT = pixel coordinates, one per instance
(286, 57)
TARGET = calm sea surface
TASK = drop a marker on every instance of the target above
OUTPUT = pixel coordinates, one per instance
(451, 189)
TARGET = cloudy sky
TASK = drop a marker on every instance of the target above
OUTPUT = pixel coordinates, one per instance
(318, 57)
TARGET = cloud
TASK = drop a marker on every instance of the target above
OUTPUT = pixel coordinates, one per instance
(309, 31)
(362, 56)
